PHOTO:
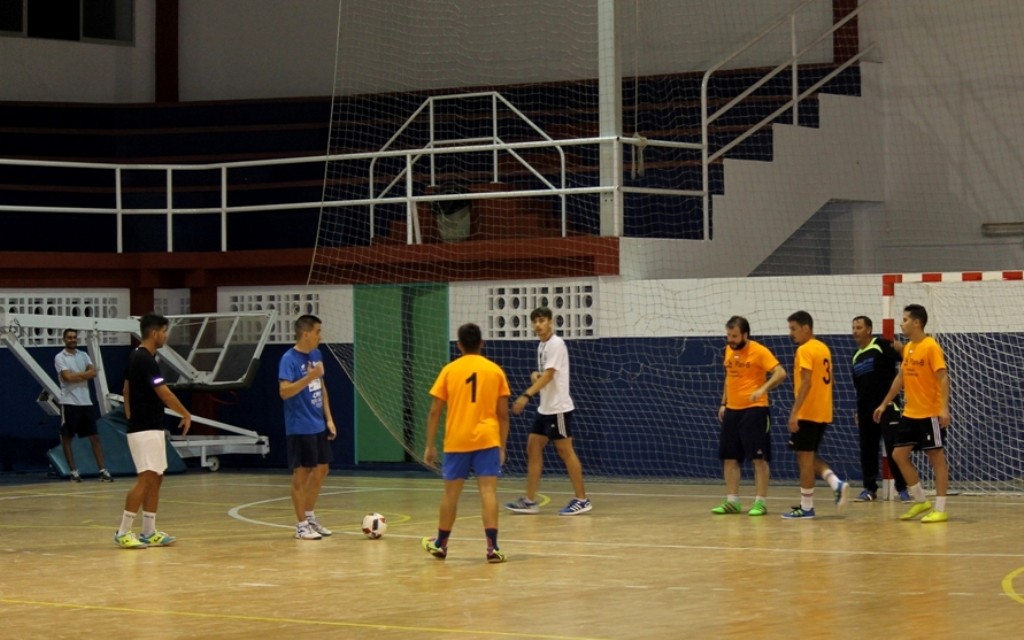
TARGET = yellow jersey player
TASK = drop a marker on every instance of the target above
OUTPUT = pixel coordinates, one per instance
(811, 415)
(751, 371)
(924, 380)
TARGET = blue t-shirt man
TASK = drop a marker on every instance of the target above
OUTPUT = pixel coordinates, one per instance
(303, 412)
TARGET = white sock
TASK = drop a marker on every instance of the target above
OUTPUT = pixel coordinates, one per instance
(940, 503)
(759, 499)
(127, 520)
(806, 499)
(831, 478)
(310, 515)
(148, 523)
(732, 498)
(918, 492)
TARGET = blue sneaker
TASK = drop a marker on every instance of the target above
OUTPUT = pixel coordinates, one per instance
(157, 539)
(576, 507)
(866, 496)
(523, 505)
(842, 494)
(905, 496)
(798, 513)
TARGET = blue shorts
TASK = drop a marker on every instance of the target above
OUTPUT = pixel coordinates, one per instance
(458, 464)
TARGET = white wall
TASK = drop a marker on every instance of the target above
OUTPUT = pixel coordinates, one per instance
(240, 49)
(33, 69)
(410, 44)
(954, 140)
(952, 81)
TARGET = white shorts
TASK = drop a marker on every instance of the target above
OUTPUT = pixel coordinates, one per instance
(149, 450)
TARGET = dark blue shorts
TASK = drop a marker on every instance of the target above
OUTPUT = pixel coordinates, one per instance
(309, 450)
(484, 462)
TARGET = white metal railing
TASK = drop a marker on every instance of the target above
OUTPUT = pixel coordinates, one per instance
(493, 144)
(461, 145)
(707, 118)
(409, 198)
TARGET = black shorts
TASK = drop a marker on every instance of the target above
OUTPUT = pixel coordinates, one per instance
(309, 450)
(920, 433)
(890, 419)
(746, 435)
(77, 420)
(809, 437)
(557, 426)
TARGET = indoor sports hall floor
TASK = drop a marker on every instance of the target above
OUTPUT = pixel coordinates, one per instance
(649, 561)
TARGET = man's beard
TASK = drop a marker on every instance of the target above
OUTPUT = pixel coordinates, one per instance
(738, 347)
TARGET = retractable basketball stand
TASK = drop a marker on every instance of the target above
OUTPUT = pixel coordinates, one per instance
(204, 352)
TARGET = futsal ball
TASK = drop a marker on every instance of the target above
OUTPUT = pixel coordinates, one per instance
(374, 525)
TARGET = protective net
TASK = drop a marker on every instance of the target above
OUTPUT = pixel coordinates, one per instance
(464, 193)
(978, 324)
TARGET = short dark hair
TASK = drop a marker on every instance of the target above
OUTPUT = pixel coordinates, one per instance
(541, 312)
(305, 323)
(470, 337)
(151, 322)
(738, 322)
(64, 336)
(866, 320)
(917, 312)
(802, 318)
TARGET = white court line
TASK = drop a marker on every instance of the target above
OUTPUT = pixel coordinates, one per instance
(686, 547)
(234, 512)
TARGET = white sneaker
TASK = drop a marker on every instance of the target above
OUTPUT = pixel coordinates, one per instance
(304, 532)
(315, 525)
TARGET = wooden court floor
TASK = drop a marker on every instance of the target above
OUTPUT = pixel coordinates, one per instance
(649, 561)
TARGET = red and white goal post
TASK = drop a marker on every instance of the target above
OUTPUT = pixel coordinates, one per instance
(978, 319)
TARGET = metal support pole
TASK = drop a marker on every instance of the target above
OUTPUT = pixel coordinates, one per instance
(610, 114)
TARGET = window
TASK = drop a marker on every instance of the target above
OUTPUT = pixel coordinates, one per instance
(110, 21)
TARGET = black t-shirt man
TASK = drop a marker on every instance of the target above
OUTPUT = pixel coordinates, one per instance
(144, 376)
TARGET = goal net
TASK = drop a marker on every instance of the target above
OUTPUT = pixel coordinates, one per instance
(456, 192)
(978, 319)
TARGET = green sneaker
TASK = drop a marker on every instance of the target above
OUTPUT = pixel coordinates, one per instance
(128, 541)
(935, 516)
(438, 552)
(759, 509)
(495, 556)
(916, 510)
(727, 507)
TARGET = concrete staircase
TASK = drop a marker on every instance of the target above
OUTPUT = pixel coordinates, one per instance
(766, 202)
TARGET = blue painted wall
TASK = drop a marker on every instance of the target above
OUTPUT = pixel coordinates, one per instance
(655, 414)
(645, 408)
